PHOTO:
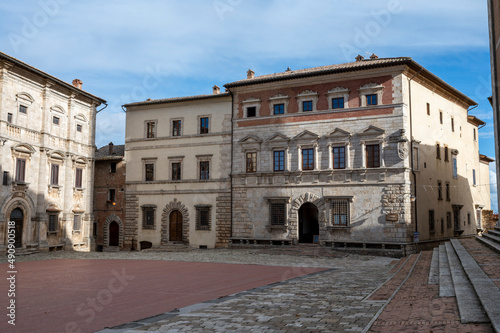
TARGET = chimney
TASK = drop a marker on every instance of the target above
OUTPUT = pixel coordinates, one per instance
(359, 58)
(78, 83)
(250, 74)
(288, 69)
(111, 145)
(216, 89)
(373, 56)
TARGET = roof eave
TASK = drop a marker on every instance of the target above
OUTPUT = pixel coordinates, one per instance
(178, 99)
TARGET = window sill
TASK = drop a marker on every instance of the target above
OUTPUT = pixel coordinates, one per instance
(338, 227)
(76, 231)
(51, 233)
(55, 186)
(78, 189)
(277, 227)
(148, 227)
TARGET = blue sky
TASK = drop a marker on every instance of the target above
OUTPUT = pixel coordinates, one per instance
(126, 50)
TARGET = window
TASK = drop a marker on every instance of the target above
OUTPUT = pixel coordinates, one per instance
(251, 111)
(203, 217)
(431, 221)
(308, 159)
(77, 219)
(176, 127)
(150, 129)
(428, 109)
(474, 134)
(148, 217)
(176, 171)
(149, 172)
(338, 103)
(438, 151)
(446, 154)
(112, 195)
(440, 191)
(9, 118)
(78, 177)
(340, 212)
(373, 156)
(455, 170)
(112, 167)
(55, 120)
(279, 108)
(204, 125)
(452, 124)
(307, 106)
(53, 222)
(474, 177)
(448, 197)
(54, 174)
(23, 109)
(277, 213)
(442, 225)
(204, 170)
(251, 162)
(20, 169)
(371, 99)
(468, 218)
(278, 160)
(78, 127)
(339, 157)
(5, 178)
(441, 117)
(448, 220)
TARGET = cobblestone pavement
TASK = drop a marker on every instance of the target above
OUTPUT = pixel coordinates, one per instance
(487, 259)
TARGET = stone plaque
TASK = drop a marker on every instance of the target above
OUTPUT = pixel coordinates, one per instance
(392, 217)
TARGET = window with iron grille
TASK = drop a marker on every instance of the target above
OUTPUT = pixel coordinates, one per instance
(438, 151)
(431, 221)
(338, 103)
(54, 174)
(278, 160)
(204, 170)
(5, 178)
(203, 217)
(308, 159)
(339, 157)
(277, 211)
(372, 156)
(53, 222)
(307, 106)
(279, 108)
(150, 129)
(446, 154)
(340, 212)
(251, 162)
(148, 217)
(78, 177)
(440, 191)
(176, 127)
(20, 169)
(149, 172)
(204, 125)
(77, 219)
(176, 171)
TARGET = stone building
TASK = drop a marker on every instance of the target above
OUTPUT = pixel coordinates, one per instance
(109, 198)
(356, 155)
(178, 154)
(47, 135)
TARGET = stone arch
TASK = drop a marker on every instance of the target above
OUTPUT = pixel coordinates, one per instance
(113, 218)
(165, 221)
(293, 217)
(24, 206)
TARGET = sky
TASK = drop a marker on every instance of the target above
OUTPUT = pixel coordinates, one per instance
(129, 50)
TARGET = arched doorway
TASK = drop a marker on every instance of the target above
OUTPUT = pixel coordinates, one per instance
(114, 234)
(17, 217)
(175, 230)
(308, 222)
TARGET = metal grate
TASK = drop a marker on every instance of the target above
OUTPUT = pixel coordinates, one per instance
(277, 212)
(340, 212)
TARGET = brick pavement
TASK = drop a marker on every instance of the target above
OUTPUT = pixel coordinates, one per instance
(487, 259)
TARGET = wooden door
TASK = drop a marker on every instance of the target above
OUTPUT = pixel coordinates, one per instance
(114, 234)
(17, 217)
(176, 226)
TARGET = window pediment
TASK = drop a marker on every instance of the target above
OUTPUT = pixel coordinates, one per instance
(56, 154)
(25, 97)
(23, 148)
(250, 139)
(252, 100)
(58, 109)
(372, 131)
(307, 93)
(278, 137)
(372, 86)
(53, 208)
(307, 135)
(279, 97)
(338, 90)
(339, 133)
(81, 117)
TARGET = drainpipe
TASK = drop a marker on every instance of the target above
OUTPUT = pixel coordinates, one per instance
(231, 168)
(411, 147)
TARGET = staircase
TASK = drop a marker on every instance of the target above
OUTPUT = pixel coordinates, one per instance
(458, 275)
(491, 239)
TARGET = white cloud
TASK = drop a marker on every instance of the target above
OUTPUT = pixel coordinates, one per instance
(493, 187)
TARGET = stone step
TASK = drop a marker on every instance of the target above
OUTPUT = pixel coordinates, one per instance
(493, 232)
(492, 237)
(469, 306)
(111, 249)
(489, 243)
(434, 271)
(445, 282)
(486, 290)
(497, 228)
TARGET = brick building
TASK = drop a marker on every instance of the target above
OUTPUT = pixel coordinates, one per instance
(109, 198)
(358, 155)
